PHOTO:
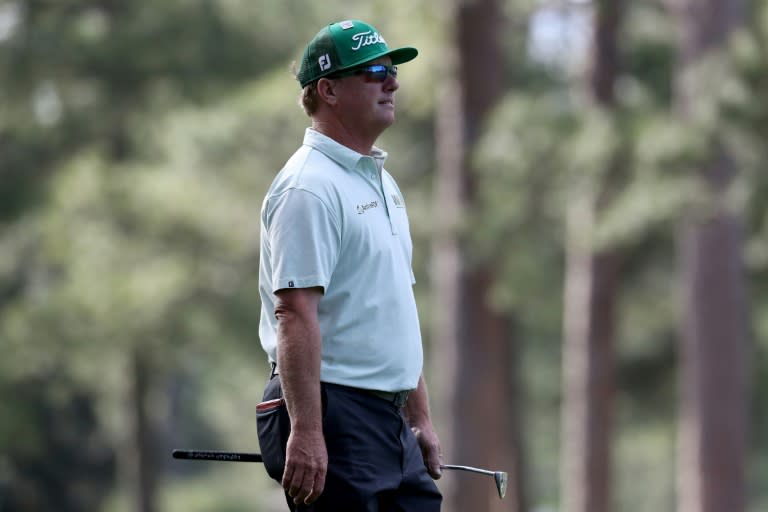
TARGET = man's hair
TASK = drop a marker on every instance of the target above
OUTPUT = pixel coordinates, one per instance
(309, 99)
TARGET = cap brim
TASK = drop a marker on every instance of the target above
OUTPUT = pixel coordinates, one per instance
(402, 55)
(398, 56)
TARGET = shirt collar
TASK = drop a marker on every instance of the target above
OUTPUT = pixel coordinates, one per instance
(344, 156)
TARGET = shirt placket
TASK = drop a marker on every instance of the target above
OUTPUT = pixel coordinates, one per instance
(374, 169)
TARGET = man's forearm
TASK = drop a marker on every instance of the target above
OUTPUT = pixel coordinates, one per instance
(299, 367)
(298, 360)
(299, 346)
(417, 407)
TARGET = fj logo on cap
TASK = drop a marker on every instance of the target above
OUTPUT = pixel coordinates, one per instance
(367, 39)
(325, 62)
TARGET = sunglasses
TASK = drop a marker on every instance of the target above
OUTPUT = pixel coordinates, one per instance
(372, 73)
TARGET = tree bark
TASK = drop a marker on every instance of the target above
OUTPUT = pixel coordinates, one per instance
(713, 381)
(589, 375)
(143, 456)
(714, 401)
(475, 345)
(590, 297)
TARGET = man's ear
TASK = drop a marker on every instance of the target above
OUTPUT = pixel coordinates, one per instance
(326, 89)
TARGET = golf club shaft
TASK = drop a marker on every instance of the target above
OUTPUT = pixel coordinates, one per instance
(499, 477)
(218, 456)
(467, 468)
(256, 457)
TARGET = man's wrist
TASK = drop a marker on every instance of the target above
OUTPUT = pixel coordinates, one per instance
(418, 419)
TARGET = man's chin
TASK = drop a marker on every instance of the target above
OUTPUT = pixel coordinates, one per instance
(387, 119)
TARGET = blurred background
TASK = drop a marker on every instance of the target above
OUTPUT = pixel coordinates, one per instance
(587, 189)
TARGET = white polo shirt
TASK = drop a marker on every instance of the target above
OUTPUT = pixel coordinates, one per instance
(335, 218)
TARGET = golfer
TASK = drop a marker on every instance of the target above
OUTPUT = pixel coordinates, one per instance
(345, 422)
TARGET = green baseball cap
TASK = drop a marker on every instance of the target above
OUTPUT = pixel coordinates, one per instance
(343, 45)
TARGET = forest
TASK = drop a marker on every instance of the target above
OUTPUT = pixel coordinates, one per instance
(587, 188)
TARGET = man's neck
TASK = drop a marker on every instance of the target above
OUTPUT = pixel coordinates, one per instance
(354, 141)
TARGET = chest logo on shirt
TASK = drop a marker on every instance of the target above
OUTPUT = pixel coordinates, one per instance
(362, 208)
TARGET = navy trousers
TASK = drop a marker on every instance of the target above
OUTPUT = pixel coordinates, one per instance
(374, 461)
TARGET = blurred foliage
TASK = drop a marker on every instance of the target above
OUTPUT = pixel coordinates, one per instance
(137, 140)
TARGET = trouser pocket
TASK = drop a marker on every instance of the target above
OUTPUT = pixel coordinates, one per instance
(273, 427)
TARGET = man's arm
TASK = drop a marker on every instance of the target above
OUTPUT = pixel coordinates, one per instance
(299, 346)
(417, 413)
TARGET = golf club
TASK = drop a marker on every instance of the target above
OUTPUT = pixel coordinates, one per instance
(500, 477)
(218, 456)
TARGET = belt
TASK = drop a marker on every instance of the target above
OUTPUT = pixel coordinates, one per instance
(397, 398)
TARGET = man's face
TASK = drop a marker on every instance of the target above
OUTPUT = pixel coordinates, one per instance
(367, 105)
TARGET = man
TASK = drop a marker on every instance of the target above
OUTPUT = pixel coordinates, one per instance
(345, 422)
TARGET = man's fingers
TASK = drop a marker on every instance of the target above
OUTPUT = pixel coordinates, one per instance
(293, 481)
(430, 450)
(292, 485)
(297, 487)
(287, 477)
(317, 488)
(434, 469)
(306, 492)
(432, 460)
(304, 485)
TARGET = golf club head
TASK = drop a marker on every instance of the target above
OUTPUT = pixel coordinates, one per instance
(501, 478)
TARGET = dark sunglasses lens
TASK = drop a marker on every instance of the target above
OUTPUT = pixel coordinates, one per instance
(379, 73)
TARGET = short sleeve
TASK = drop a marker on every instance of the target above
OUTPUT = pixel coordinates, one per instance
(304, 239)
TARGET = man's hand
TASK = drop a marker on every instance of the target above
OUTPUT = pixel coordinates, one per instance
(417, 413)
(430, 449)
(306, 465)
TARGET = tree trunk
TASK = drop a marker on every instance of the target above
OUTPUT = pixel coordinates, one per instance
(475, 346)
(714, 400)
(589, 379)
(714, 397)
(591, 293)
(143, 454)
